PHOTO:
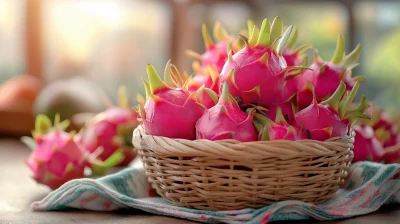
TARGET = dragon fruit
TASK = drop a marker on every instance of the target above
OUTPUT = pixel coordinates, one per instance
(391, 155)
(287, 108)
(208, 78)
(216, 54)
(169, 112)
(278, 130)
(385, 128)
(304, 96)
(56, 158)
(112, 130)
(291, 54)
(366, 145)
(331, 118)
(226, 121)
(206, 96)
(257, 73)
(293, 57)
(326, 76)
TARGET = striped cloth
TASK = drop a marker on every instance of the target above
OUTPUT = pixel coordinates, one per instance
(370, 186)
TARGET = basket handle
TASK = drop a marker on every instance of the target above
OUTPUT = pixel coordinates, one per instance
(137, 140)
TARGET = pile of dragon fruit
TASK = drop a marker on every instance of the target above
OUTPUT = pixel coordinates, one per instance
(258, 86)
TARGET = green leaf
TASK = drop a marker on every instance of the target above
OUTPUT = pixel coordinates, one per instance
(322, 69)
(28, 141)
(65, 124)
(277, 28)
(167, 74)
(57, 120)
(352, 58)
(254, 36)
(343, 109)
(140, 98)
(147, 88)
(302, 48)
(206, 36)
(282, 42)
(279, 116)
(339, 52)
(122, 98)
(212, 95)
(334, 100)
(293, 38)
(264, 37)
(114, 159)
(220, 33)
(154, 79)
(42, 124)
(250, 25)
(98, 170)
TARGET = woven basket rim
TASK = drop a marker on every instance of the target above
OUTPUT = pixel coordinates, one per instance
(234, 148)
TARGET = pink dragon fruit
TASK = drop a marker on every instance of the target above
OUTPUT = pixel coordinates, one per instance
(304, 96)
(366, 146)
(216, 54)
(278, 130)
(287, 108)
(291, 54)
(385, 128)
(169, 112)
(206, 96)
(326, 76)
(391, 155)
(207, 77)
(257, 73)
(56, 158)
(331, 118)
(112, 130)
(226, 121)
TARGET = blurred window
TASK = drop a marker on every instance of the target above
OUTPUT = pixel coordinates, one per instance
(11, 38)
(109, 41)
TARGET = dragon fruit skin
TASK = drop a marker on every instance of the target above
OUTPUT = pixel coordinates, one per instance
(248, 88)
(226, 121)
(257, 73)
(278, 129)
(317, 117)
(331, 118)
(216, 53)
(291, 57)
(304, 96)
(326, 76)
(110, 130)
(385, 125)
(208, 78)
(169, 112)
(366, 146)
(57, 159)
(326, 82)
(287, 111)
(206, 97)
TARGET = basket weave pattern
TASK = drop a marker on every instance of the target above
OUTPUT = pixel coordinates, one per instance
(228, 174)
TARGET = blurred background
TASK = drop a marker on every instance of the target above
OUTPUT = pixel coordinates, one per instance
(61, 55)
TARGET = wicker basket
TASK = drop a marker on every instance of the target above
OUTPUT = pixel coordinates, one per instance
(228, 174)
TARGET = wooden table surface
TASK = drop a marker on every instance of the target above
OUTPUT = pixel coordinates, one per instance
(18, 191)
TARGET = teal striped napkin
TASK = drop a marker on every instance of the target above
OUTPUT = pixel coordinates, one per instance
(370, 185)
